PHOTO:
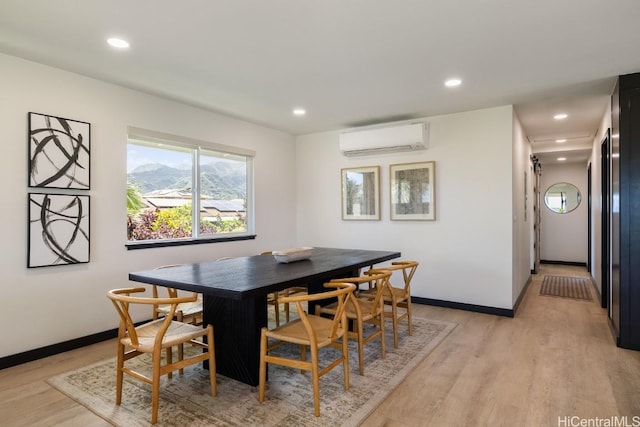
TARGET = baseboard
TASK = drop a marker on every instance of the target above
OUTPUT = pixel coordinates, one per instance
(614, 333)
(577, 264)
(50, 350)
(466, 307)
(595, 287)
(524, 291)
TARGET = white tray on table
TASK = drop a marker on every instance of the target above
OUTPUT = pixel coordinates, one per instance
(293, 254)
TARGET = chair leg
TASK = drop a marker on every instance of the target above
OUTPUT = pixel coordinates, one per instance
(360, 338)
(408, 307)
(169, 351)
(286, 306)
(383, 344)
(263, 365)
(155, 385)
(119, 374)
(277, 308)
(181, 357)
(345, 360)
(394, 317)
(212, 361)
(303, 356)
(316, 381)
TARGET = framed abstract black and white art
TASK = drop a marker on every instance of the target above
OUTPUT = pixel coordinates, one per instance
(58, 229)
(59, 152)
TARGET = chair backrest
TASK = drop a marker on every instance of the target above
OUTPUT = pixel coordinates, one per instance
(122, 299)
(377, 279)
(171, 292)
(408, 269)
(154, 288)
(341, 292)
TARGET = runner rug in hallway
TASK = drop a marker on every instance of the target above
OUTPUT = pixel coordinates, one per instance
(185, 400)
(567, 287)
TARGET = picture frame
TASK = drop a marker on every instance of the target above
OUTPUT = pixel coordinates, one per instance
(59, 152)
(361, 193)
(58, 232)
(412, 187)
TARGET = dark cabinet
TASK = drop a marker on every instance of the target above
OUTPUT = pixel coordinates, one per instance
(624, 311)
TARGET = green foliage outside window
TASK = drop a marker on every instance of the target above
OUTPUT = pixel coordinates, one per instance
(175, 223)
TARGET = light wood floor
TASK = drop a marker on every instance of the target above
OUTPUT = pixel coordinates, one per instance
(556, 358)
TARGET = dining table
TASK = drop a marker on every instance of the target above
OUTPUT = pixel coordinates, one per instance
(235, 295)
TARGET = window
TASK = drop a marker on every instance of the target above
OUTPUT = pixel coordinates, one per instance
(184, 191)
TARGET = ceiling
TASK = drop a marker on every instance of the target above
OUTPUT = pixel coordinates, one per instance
(349, 62)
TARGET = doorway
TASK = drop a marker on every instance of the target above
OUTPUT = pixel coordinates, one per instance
(589, 234)
(536, 214)
(605, 149)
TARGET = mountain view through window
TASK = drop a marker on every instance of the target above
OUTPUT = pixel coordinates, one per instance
(162, 192)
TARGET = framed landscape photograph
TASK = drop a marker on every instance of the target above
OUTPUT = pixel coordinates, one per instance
(58, 229)
(59, 152)
(361, 193)
(413, 191)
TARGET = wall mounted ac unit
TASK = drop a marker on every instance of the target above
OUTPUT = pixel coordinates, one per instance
(389, 139)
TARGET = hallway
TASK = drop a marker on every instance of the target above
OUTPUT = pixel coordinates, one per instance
(556, 358)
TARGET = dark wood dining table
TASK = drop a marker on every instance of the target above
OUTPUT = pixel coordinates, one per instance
(235, 295)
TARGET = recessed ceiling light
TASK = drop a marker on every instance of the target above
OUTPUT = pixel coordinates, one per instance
(299, 111)
(562, 159)
(561, 116)
(561, 140)
(118, 43)
(453, 82)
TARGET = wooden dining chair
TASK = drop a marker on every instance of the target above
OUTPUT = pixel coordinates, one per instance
(154, 336)
(397, 296)
(186, 312)
(310, 331)
(272, 298)
(363, 310)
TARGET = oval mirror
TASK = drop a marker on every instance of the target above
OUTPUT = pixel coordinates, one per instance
(562, 197)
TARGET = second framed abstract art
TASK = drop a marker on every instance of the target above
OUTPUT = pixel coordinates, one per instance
(413, 191)
(58, 229)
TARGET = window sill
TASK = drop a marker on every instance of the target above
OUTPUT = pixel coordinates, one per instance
(185, 242)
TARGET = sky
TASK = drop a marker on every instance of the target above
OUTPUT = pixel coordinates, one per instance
(138, 155)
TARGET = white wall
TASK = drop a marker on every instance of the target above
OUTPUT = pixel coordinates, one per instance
(49, 305)
(563, 237)
(466, 255)
(522, 209)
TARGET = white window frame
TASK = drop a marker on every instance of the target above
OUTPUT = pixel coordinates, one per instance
(141, 136)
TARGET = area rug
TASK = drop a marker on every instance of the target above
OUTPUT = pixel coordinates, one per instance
(567, 287)
(185, 400)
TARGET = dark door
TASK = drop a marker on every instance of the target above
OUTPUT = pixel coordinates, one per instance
(605, 209)
(625, 216)
(589, 220)
(624, 212)
(536, 216)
